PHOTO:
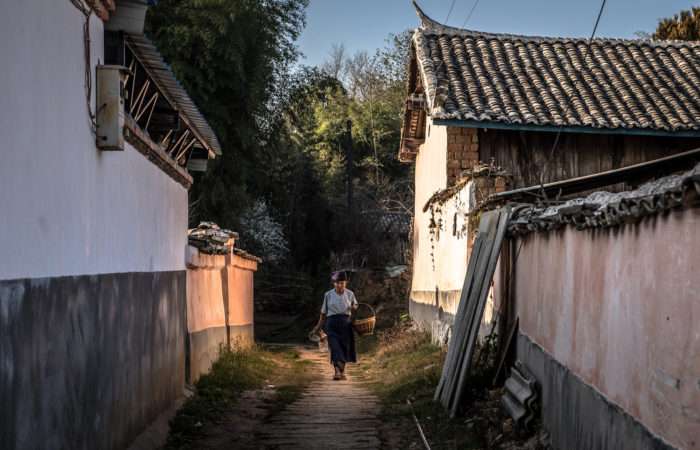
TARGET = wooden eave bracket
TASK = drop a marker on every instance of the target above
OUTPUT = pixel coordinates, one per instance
(155, 153)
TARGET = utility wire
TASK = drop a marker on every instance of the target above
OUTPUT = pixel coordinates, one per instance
(87, 12)
(471, 11)
(449, 13)
(568, 102)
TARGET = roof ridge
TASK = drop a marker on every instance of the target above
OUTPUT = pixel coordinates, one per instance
(430, 26)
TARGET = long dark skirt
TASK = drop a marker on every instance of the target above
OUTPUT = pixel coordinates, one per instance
(341, 339)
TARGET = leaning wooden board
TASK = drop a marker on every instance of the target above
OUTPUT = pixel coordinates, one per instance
(482, 265)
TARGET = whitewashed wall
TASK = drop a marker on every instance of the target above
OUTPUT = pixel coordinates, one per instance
(67, 208)
(446, 270)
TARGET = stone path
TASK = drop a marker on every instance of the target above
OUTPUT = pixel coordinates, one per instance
(329, 415)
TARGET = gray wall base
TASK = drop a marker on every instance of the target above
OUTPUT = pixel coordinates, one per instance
(575, 414)
(87, 362)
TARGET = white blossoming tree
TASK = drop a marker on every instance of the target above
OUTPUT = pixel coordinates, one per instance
(262, 234)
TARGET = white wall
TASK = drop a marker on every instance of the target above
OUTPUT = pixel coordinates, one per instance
(67, 208)
(450, 252)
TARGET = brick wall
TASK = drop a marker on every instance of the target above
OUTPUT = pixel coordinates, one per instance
(463, 159)
(462, 152)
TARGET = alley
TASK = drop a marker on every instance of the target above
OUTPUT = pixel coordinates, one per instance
(487, 212)
(329, 414)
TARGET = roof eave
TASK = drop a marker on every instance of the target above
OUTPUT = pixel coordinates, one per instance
(466, 123)
(210, 142)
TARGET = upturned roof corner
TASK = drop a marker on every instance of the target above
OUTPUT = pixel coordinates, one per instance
(430, 24)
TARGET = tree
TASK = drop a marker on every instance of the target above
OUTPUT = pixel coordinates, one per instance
(283, 127)
(264, 235)
(684, 26)
(234, 58)
(335, 64)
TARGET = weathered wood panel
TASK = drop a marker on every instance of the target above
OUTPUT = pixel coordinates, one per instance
(524, 154)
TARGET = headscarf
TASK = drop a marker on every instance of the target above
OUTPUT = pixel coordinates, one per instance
(339, 275)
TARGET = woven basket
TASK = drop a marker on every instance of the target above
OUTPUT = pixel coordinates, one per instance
(365, 326)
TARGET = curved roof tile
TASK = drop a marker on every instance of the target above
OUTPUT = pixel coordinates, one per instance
(552, 81)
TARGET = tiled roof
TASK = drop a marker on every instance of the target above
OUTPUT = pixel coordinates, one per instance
(540, 81)
(176, 94)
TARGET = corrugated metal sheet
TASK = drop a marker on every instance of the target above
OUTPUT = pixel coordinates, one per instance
(164, 77)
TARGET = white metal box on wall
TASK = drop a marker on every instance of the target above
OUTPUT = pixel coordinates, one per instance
(110, 107)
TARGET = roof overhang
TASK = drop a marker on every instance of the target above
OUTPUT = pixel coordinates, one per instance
(569, 129)
(161, 74)
(414, 114)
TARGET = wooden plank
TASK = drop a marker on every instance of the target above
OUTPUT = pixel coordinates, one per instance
(504, 217)
(492, 221)
(458, 329)
(459, 332)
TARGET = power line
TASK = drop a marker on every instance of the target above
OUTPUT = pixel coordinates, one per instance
(568, 103)
(449, 13)
(471, 11)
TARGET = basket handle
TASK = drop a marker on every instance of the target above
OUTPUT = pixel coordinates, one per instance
(369, 306)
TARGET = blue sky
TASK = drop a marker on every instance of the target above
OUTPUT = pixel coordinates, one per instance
(364, 24)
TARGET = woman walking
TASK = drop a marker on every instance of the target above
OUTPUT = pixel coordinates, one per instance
(338, 305)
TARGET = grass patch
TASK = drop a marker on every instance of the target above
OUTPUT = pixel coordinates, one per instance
(233, 373)
(403, 364)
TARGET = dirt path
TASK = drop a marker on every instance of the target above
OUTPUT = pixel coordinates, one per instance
(329, 414)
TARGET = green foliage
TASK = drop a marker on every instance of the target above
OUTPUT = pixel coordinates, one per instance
(232, 56)
(684, 26)
(406, 365)
(283, 128)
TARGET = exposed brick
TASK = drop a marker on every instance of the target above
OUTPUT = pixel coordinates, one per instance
(473, 155)
(452, 148)
(462, 151)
